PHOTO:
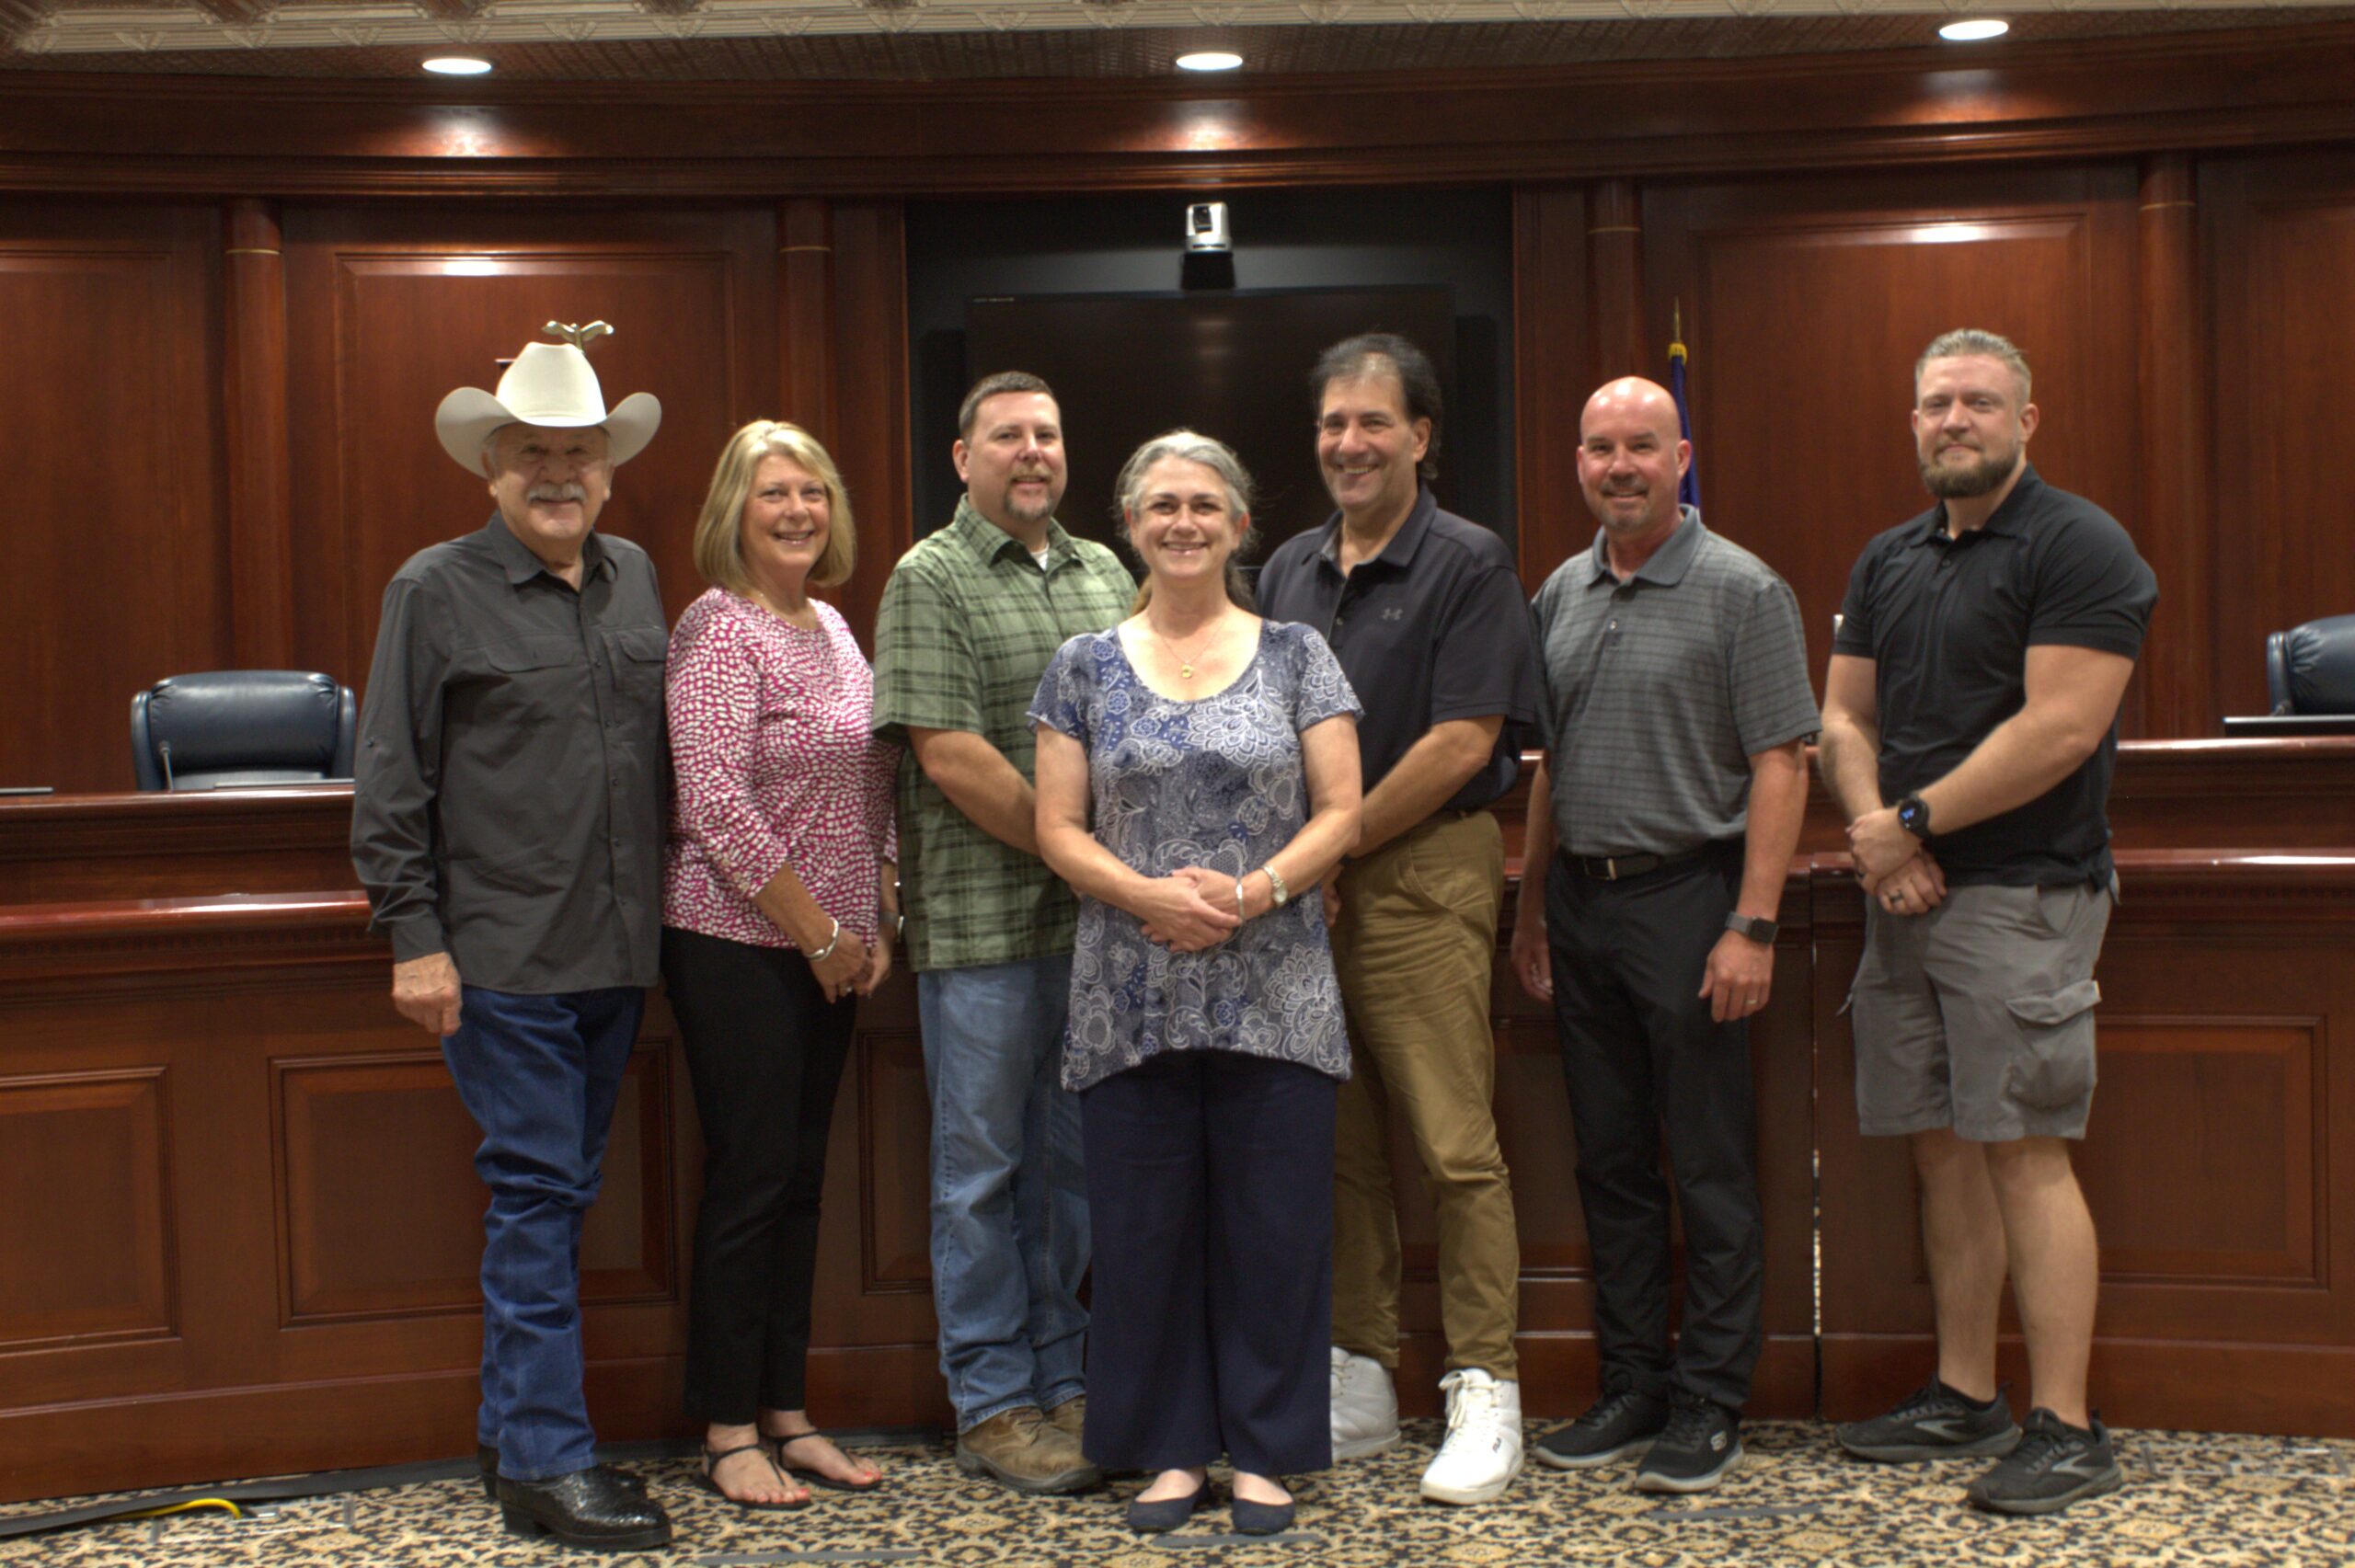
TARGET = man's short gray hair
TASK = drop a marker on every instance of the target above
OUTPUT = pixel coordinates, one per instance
(1974, 340)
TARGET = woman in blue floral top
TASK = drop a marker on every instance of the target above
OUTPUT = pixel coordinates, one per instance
(1197, 779)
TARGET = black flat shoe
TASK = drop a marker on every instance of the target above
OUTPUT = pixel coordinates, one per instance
(587, 1508)
(810, 1473)
(1261, 1519)
(487, 1458)
(1167, 1513)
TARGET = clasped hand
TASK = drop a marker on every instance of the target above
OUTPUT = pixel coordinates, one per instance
(1190, 908)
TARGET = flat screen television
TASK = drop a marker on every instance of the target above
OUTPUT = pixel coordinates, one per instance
(1232, 365)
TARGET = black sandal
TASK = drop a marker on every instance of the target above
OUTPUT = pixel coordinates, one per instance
(810, 1473)
(711, 1461)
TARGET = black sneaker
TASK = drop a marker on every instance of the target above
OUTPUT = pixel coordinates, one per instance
(1932, 1422)
(1615, 1426)
(2055, 1465)
(1703, 1441)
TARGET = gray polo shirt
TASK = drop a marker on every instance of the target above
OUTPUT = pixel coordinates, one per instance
(512, 775)
(1660, 690)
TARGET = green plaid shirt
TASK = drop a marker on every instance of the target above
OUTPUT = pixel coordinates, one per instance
(966, 627)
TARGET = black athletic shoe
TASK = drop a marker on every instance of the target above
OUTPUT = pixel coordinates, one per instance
(1932, 1422)
(1701, 1442)
(2055, 1465)
(1615, 1426)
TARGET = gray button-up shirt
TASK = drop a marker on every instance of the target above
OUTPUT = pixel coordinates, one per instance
(1661, 689)
(512, 773)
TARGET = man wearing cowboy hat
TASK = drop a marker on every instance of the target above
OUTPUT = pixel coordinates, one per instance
(508, 826)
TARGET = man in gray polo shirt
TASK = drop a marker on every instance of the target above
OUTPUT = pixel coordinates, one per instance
(1677, 712)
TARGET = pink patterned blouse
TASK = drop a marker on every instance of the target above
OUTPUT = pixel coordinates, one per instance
(776, 766)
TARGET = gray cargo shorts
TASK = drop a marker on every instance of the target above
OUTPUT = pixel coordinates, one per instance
(1979, 1015)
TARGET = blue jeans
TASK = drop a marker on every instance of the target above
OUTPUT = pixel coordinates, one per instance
(1009, 1193)
(539, 1075)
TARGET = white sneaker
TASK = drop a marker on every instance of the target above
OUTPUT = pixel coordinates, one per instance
(1482, 1453)
(1366, 1407)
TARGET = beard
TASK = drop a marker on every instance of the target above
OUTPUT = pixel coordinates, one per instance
(1980, 478)
(1025, 511)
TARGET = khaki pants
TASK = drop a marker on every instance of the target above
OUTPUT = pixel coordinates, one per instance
(1414, 950)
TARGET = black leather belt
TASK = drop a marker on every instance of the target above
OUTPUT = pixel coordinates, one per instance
(1619, 867)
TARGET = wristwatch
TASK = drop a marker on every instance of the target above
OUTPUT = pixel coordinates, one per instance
(1914, 815)
(1276, 888)
(1755, 928)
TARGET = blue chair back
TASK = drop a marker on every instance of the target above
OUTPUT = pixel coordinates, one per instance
(242, 726)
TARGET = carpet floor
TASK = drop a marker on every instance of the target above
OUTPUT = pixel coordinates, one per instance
(2190, 1498)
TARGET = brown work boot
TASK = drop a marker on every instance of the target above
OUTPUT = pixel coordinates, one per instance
(1022, 1448)
(1070, 1418)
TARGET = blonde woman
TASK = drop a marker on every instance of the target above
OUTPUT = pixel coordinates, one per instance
(778, 908)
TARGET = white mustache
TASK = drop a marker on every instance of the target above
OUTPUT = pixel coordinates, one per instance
(566, 492)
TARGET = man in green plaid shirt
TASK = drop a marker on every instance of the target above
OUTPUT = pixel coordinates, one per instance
(969, 620)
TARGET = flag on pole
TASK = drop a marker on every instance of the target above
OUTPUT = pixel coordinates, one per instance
(1689, 491)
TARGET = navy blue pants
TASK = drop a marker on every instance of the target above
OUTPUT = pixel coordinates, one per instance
(1210, 1178)
(540, 1076)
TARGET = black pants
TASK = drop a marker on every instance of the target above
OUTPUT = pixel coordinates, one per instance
(1641, 1053)
(1210, 1184)
(766, 1050)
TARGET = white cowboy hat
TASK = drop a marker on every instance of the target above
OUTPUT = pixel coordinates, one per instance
(549, 385)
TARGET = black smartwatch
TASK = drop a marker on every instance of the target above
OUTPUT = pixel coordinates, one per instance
(1753, 927)
(1914, 815)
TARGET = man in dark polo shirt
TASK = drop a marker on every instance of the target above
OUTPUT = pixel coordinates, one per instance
(1424, 611)
(1678, 713)
(507, 823)
(1970, 728)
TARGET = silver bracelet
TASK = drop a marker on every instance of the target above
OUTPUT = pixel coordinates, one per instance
(832, 941)
(1276, 885)
(1238, 899)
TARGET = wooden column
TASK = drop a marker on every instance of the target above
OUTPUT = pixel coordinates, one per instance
(805, 281)
(1616, 260)
(2174, 530)
(261, 569)
(1551, 371)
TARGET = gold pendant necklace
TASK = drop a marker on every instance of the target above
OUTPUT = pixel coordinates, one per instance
(1185, 662)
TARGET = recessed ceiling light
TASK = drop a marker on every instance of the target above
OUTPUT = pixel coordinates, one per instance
(1975, 31)
(458, 65)
(1209, 60)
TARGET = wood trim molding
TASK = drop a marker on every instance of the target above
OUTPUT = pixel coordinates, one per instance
(568, 140)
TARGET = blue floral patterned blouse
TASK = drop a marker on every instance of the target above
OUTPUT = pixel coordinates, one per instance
(1215, 782)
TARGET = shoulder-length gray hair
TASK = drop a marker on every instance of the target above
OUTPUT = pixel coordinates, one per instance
(1191, 446)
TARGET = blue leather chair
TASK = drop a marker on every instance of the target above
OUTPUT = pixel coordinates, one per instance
(2311, 668)
(242, 726)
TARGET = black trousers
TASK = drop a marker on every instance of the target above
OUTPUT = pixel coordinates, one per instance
(1641, 1053)
(1210, 1187)
(765, 1051)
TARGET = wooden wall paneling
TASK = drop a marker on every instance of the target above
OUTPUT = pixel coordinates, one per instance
(2174, 529)
(870, 398)
(87, 1155)
(378, 140)
(261, 573)
(391, 308)
(110, 430)
(2279, 247)
(1806, 303)
(2217, 1186)
(1615, 245)
(1553, 371)
(805, 290)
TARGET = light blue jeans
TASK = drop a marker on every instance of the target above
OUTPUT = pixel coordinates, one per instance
(1009, 1193)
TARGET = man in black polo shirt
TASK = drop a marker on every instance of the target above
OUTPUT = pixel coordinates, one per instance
(1970, 729)
(1424, 611)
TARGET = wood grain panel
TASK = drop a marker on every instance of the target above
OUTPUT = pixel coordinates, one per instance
(117, 549)
(88, 1233)
(381, 1211)
(1806, 305)
(1553, 372)
(870, 401)
(894, 1194)
(2279, 239)
(390, 310)
(489, 140)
